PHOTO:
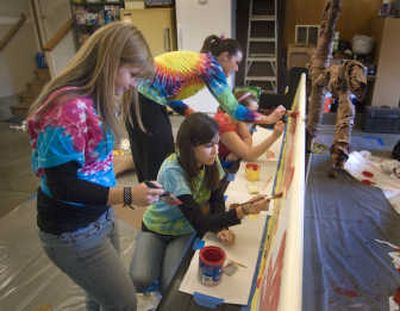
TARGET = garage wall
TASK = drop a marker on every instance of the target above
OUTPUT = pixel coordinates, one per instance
(355, 18)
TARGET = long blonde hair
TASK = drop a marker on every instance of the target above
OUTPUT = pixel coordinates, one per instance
(93, 71)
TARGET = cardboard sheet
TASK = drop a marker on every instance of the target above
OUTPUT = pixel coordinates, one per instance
(235, 288)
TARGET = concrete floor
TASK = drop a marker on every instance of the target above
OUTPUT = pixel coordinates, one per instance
(17, 183)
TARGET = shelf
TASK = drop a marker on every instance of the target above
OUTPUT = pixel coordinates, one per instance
(89, 16)
(100, 3)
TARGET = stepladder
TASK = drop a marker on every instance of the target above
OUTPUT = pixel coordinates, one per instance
(261, 45)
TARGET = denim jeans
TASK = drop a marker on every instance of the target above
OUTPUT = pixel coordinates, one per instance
(157, 257)
(90, 257)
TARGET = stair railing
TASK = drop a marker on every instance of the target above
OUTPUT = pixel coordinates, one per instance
(58, 36)
(12, 32)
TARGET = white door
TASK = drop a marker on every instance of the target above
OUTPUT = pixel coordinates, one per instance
(195, 20)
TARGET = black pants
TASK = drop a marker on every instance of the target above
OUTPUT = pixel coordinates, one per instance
(151, 148)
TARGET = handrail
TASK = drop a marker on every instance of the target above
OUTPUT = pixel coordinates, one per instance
(13, 30)
(58, 36)
(36, 14)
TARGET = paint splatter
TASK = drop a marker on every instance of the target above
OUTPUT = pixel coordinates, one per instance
(367, 182)
(367, 174)
(396, 297)
(346, 292)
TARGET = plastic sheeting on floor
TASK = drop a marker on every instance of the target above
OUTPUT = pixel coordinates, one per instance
(28, 280)
(378, 172)
(345, 267)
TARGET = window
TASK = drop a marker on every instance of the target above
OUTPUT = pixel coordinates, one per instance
(306, 35)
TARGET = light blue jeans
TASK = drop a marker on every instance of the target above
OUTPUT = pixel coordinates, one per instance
(157, 258)
(90, 257)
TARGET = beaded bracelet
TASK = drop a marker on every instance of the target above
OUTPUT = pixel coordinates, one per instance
(127, 196)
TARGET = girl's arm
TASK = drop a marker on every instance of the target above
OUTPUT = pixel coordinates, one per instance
(217, 83)
(249, 153)
(244, 133)
(150, 90)
(180, 107)
(153, 92)
(207, 222)
(65, 186)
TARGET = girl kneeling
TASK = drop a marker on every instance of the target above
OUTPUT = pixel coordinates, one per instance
(193, 175)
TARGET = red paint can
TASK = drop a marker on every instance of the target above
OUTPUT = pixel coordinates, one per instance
(211, 262)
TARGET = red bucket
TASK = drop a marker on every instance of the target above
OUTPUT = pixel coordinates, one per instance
(211, 261)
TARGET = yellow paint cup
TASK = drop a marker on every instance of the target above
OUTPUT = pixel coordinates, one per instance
(252, 171)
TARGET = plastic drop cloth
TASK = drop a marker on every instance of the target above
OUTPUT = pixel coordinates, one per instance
(377, 171)
(345, 267)
(28, 280)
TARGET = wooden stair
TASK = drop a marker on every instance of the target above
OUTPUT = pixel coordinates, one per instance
(31, 92)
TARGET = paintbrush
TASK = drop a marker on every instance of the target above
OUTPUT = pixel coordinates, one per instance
(231, 266)
(258, 198)
(238, 263)
(275, 196)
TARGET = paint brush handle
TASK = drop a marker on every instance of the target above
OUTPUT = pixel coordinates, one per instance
(255, 200)
(239, 263)
(263, 197)
(275, 196)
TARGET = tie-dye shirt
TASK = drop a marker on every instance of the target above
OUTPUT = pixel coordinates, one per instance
(72, 131)
(181, 74)
(167, 219)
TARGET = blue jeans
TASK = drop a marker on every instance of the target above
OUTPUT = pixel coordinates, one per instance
(90, 257)
(157, 257)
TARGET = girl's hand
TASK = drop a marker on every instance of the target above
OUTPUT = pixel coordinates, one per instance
(143, 195)
(279, 127)
(256, 205)
(253, 206)
(275, 116)
(232, 157)
(226, 237)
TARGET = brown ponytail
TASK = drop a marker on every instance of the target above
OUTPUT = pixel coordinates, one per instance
(217, 45)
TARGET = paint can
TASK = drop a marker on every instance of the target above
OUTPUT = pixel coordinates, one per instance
(252, 171)
(211, 262)
(40, 60)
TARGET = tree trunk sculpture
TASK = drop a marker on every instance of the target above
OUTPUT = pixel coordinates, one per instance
(342, 80)
(345, 79)
(320, 62)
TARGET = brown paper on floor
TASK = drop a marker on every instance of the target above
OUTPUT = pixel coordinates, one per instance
(123, 163)
(131, 217)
